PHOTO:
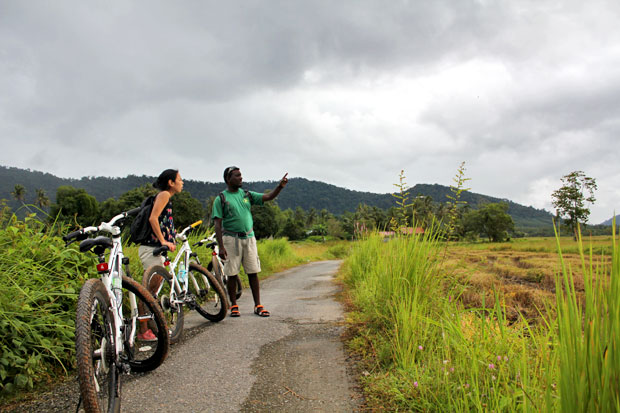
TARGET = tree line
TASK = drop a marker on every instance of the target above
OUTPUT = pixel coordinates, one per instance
(79, 208)
(459, 219)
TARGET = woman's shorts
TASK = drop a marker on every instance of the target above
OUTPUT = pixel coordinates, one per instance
(148, 259)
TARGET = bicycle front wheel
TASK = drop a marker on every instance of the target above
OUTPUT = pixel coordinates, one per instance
(158, 281)
(98, 374)
(211, 300)
(143, 355)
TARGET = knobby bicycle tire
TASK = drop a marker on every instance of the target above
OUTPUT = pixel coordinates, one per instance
(211, 300)
(98, 373)
(173, 313)
(144, 356)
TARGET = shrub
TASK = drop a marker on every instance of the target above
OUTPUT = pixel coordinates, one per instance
(39, 286)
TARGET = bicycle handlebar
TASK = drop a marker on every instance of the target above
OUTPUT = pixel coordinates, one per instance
(183, 234)
(133, 212)
(75, 234)
(210, 241)
(82, 233)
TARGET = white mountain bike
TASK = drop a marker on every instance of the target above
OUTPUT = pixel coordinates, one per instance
(107, 320)
(186, 284)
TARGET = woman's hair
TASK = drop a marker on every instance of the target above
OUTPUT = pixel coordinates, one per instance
(162, 180)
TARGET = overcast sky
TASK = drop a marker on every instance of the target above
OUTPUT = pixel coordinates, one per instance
(344, 92)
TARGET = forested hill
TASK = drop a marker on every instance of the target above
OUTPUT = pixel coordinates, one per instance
(299, 192)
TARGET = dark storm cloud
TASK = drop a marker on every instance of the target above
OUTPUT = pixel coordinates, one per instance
(349, 92)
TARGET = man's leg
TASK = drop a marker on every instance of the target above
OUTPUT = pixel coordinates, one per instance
(251, 264)
(232, 266)
(254, 286)
(231, 284)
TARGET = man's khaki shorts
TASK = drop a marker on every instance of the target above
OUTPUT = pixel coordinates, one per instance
(241, 251)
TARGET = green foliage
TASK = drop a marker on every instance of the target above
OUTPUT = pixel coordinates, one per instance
(75, 206)
(339, 251)
(186, 210)
(334, 228)
(19, 192)
(42, 199)
(570, 199)
(265, 220)
(275, 254)
(491, 220)
(39, 283)
(293, 229)
(319, 230)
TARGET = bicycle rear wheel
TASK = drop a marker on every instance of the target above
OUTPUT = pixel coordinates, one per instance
(143, 355)
(154, 278)
(211, 300)
(216, 269)
(98, 373)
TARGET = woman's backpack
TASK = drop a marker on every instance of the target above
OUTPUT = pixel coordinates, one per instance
(141, 230)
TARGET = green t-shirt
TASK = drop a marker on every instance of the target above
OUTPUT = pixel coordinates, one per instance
(236, 215)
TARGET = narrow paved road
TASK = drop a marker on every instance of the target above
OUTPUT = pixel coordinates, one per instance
(292, 361)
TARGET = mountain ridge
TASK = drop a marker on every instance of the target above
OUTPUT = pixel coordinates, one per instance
(300, 192)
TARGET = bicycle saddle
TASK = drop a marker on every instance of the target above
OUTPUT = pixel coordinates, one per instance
(101, 241)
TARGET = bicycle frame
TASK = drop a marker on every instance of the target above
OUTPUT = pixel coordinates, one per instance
(183, 258)
(215, 255)
(111, 276)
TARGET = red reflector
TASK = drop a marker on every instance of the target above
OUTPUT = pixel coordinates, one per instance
(103, 266)
(167, 263)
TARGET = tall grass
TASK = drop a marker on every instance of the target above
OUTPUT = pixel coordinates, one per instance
(275, 255)
(589, 335)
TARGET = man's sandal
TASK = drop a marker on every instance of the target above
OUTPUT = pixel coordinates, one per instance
(260, 311)
(234, 311)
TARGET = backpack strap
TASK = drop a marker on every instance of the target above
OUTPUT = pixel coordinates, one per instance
(226, 205)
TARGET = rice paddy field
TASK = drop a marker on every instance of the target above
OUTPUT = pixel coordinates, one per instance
(524, 270)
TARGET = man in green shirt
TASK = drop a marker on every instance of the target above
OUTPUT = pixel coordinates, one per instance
(234, 231)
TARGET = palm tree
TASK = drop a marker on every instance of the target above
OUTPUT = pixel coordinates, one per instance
(42, 200)
(19, 193)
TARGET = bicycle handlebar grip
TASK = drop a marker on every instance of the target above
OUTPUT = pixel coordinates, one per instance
(159, 250)
(195, 224)
(73, 234)
(134, 211)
